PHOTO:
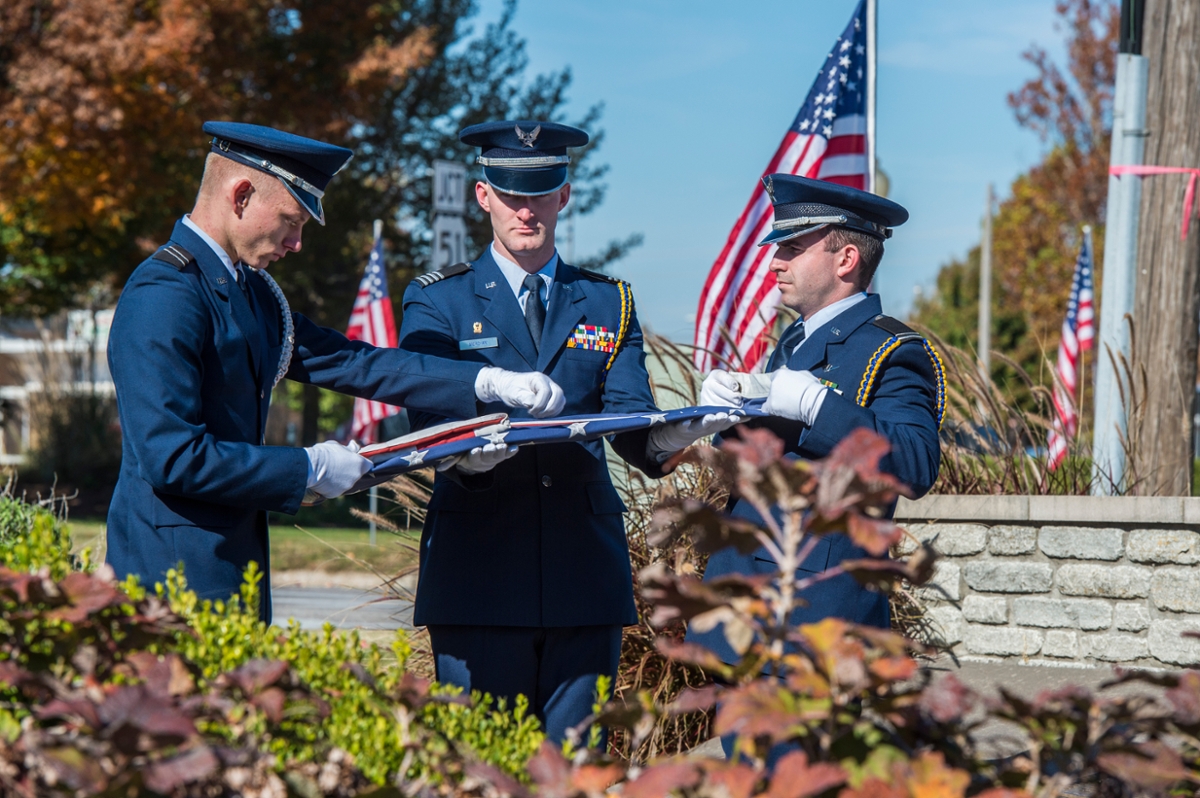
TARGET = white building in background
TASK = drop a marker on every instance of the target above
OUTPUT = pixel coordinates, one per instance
(68, 352)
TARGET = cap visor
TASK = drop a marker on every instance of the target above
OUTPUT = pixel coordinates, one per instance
(308, 202)
(778, 236)
(526, 182)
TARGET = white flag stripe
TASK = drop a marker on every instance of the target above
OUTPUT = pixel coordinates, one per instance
(842, 165)
(851, 125)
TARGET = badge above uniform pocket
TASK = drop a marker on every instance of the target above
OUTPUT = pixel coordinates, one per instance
(599, 339)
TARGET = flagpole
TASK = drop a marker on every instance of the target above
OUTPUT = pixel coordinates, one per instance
(373, 494)
(871, 42)
(985, 292)
(1087, 237)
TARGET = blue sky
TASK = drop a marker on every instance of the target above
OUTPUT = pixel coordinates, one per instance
(698, 95)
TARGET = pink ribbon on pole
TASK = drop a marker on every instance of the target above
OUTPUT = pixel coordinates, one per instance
(1189, 196)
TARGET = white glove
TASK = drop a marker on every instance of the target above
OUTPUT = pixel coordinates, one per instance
(480, 459)
(664, 441)
(732, 388)
(333, 469)
(797, 395)
(721, 389)
(529, 390)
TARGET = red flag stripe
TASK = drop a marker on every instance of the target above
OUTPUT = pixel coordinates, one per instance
(372, 322)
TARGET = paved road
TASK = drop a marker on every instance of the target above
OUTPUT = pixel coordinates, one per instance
(343, 607)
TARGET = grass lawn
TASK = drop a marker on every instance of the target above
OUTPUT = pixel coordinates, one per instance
(332, 549)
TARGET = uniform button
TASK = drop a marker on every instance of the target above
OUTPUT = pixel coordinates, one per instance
(546, 481)
(262, 394)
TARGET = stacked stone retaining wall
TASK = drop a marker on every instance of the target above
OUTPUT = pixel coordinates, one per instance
(1069, 579)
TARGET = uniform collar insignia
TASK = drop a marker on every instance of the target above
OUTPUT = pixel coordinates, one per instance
(528, 138)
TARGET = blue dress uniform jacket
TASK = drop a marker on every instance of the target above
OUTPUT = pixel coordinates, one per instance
(194, 364)
(891, 383)
(539, 541)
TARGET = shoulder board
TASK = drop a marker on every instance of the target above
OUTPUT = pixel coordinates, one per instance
(426, 280)
(174, 256)
(897, 328)
(602, 277)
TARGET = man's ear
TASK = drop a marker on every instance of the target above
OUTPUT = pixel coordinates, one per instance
(482, 196)
(564, 196)
(849, 260)
(240, 193)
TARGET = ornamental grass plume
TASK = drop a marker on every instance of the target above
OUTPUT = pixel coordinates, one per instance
(995, 432)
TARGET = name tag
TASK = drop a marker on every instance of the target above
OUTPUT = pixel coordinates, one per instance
(478, 343)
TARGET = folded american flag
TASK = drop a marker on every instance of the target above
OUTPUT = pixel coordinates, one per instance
(429, 447)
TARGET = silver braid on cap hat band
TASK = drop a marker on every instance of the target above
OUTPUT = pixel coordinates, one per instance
(805, 221)
(525, 163)
(289, 326)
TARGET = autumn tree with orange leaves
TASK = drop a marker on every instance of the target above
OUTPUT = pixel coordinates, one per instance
(103, 100)
(1037, 230)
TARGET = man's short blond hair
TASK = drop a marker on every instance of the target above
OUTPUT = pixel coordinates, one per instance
(219, 169)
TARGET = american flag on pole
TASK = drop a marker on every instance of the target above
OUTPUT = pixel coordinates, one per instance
(827, 140)
(372, 321)
(1078, 334)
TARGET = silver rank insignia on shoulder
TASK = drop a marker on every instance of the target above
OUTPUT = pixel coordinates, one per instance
(477, 327)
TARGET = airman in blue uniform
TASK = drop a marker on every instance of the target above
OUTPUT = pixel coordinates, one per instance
(842, 366)
(200, 337)
(525, 579)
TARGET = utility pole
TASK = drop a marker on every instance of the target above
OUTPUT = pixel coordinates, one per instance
(1167, 301)
(1110, 422)
(985, 289)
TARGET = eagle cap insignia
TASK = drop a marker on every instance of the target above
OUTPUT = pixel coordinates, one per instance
(527, 138)
(769, 184)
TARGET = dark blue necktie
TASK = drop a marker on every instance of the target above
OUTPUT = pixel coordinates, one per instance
(788, 342)
(245, 287)
(535, 312)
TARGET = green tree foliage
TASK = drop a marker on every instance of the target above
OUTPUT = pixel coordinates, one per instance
(1037, 230)
(954, 308)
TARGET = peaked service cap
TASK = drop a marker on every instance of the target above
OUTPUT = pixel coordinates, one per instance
(304, 166)
(524, 157)
(803, 205)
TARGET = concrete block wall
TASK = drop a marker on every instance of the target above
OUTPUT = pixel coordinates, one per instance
(1063, 578)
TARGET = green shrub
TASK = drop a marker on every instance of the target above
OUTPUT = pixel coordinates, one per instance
(356, 681)
(84, 638)
(33, 537)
